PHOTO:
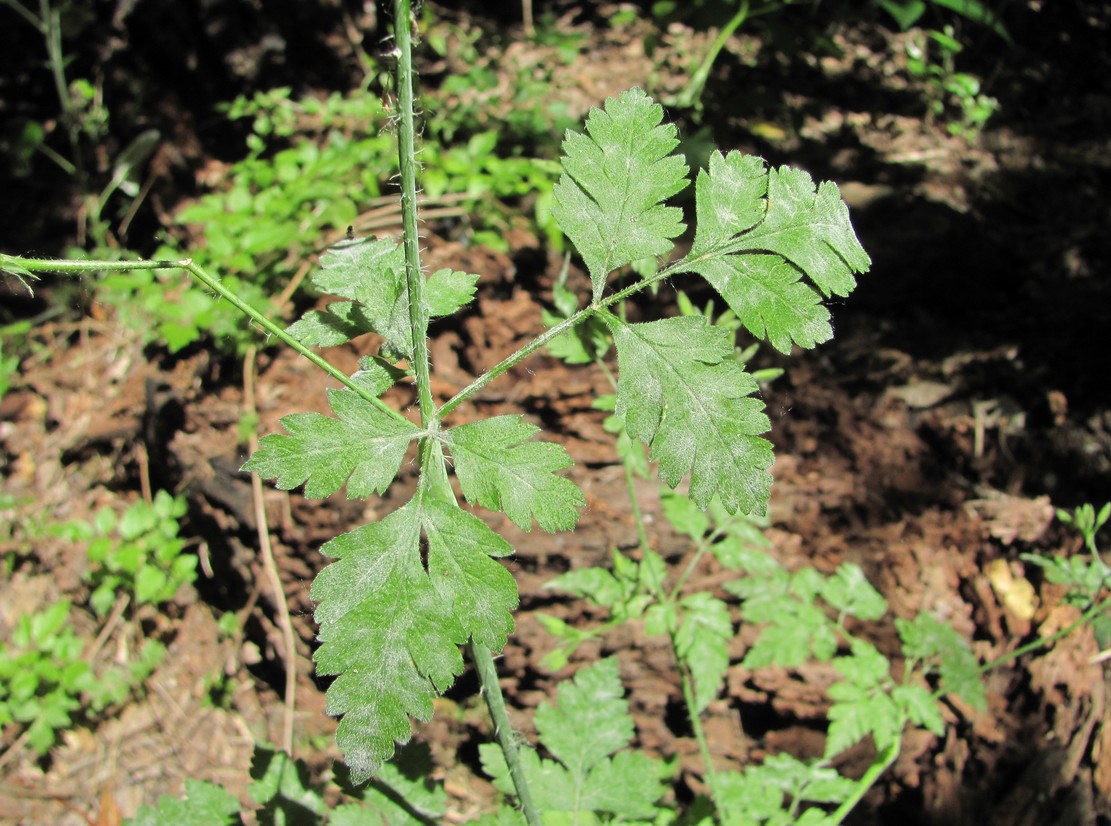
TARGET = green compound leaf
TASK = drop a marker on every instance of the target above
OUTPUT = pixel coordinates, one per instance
(759, 231)
(939, 645)
(204, 804)
(796, 629)
(850, 592)
(861, 704)
(609, 199)
(920, 707)
(680, 392)
(772, 791)
(589, 723)
(482, 594)
(373, 274)
(364, 447)
(390, 630)
(591, 720)
(684, 515)
(581, 344)
(702, 643)
(499, 468)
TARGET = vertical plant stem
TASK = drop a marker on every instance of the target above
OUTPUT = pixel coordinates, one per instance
(701, 74)
(696, 727)
(495, 703)
(52, 32)
(414, 278)
(418, 321)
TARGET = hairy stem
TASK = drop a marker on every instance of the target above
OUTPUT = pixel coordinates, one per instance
(414, 278)
(433, 470)
(16, 264)
(273, 329)
(568, 323)
(495, 703)
(515, 359)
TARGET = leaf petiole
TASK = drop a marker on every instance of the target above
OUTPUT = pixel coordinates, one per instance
(16, 264)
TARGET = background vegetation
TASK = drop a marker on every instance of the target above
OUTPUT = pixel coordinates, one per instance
(253, 142)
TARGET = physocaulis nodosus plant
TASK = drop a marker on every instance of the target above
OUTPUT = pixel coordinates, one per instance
(406, 592)
(392, 612)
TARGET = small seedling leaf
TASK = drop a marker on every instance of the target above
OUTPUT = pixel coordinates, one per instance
(204, 804)
(373, 274)
(589, 723)
(934, 642)
(340, 322)
(920, 707)
(703, 644)
(857, 712)
(684, 515)
(448, 290)
(590, 719)
(850, 592)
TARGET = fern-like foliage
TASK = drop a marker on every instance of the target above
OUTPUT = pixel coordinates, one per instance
(588, 732)
(681, 392)
(404, 593)
(362, 448)
(372, 274)
(760, 231)
(391, 623)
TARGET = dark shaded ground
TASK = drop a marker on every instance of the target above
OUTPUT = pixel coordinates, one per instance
(965, 391)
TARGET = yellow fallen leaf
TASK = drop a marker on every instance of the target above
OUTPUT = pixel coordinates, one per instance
(1016, 593)
(768, 131)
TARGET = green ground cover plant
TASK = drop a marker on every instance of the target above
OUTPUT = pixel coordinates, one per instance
(107, 181)
(9, 367)
(314, 167)
(42, 675)
(49, 675)
(138, 554)
(404, 595)
(950, 95)
(47, 683)
(1087, 578)
(944, 85)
